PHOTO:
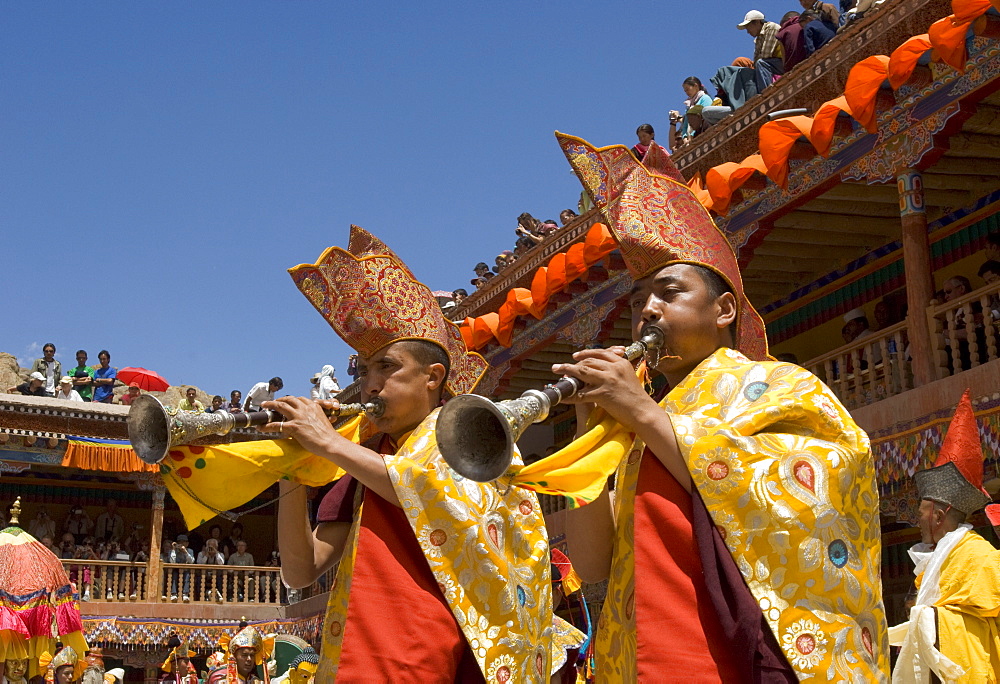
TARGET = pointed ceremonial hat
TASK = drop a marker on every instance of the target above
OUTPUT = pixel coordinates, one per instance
(657, 221)
(371, 299)
(956, 478)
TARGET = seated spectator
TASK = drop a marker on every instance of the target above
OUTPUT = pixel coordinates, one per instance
(696, 96)
(190, 402)
(81, 574)
(523, 246)
(696, 124)
(483, 274)
(67, 546)
(47, 543)
(815, 34)
(459, 295)
(314, 389)
(49, 368)
(104, 378)
(503, 260)
(211, 555)
(768, 53)
(548, 227)
(828, 14)
(34, 387)
(261, 392)
(83, 376)
(131, 395)
(734, 86)
(218, 404)
(235, 535)
(566, 216)
(954, 289)
(352, 365)
(117, 576)
(527, 224)
(42, 525)
(329, 388)
(792, 40)
(66, 391)
(647, 138)
(234, 402)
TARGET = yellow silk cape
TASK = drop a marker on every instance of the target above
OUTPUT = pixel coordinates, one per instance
(488, 550)
(486, 544)
(968, 611)
(789, 480)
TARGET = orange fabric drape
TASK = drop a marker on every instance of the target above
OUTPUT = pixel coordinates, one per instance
(904, 59)
(776, 141)
(562, 269)
(964, 11)
(108, 457)
(863, 83)
(723, 180)
(948, 40)
(821, 134)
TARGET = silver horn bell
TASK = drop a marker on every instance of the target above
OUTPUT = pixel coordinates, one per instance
(476, 436)
(154, 429)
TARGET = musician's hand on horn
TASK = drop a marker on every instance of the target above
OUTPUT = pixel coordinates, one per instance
(305, 422)
(610, 382)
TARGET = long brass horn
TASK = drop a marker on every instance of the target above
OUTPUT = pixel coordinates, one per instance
(154, 429)
(476, 436)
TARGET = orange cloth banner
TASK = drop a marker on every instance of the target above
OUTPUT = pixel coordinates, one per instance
(562, 269)
(904, 59)
(948, 40)
(109, 457)
(776, 141)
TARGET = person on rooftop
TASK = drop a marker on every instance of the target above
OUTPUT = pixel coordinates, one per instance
(792, 40)
(190, 401)
(261, 392)
(566, 216)
(828, 13)
(33, 387)
(104, 378)
(815, 34)
(768, 53)
(66, 391)
(49, 367)
(83, 376)
(647, 140)
(131, 395)
(234, 402)
(218, 404)
(696, 96)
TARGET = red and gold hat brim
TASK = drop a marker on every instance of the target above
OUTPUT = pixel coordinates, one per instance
(658, 221)
(373, 301)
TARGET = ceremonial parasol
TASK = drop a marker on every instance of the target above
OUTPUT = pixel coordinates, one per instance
(148, 380)
(35, 597)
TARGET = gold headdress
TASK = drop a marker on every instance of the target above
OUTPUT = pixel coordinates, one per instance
(249, 637)
(65, 656)
(180, 651)
(371, 299)
(658, 221)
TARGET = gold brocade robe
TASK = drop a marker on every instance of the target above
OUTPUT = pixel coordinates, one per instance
(968, 610)
(488, 550)
(788, 479)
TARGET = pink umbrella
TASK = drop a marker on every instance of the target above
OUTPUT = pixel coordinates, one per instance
(148, 380)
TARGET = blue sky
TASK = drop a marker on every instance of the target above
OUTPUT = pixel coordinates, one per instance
(163, 164)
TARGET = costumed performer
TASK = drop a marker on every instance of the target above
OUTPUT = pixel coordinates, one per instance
(439, 578)
(954, 626)
(177, 667)
(15, 671)
(66, 667)
(745, 518)
(247, 649)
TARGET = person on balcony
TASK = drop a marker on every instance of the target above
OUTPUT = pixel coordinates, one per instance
(211, 555)
(954, 625)
(243, 582)
(179, 553)
(768, 53)
(745, 463)
(110, 523)
(177, 668)
(566, 216)
(417, 548)
(815, 34)
(42, 525)
(954, 289)
(990, 273)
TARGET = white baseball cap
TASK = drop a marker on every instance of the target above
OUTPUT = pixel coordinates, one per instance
(854, 314)
(752, 15)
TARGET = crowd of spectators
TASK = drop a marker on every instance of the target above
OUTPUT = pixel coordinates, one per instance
(778, 47)
(82, 383)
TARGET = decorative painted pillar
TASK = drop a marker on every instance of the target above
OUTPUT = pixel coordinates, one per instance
(917, 271)
(156, 532)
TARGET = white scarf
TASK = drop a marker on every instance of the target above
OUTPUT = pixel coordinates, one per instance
(918, 657)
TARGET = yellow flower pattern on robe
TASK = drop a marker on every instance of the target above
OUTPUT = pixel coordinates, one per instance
(789, 481)
(488, 550)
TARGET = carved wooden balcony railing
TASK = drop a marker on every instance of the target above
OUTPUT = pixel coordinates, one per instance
(125, 582)
(867, 370)
(965, 333)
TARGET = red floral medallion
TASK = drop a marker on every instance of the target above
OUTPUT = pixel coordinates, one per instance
(805, 475)
(717, 470)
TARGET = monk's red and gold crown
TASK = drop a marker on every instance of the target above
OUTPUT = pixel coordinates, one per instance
(956, 478)
(658, 221)
(371, 299)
